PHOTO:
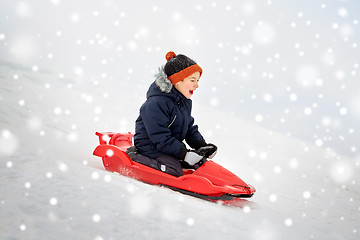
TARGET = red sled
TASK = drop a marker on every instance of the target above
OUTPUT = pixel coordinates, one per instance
(210, 181)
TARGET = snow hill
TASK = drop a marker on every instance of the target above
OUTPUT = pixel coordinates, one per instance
(51, 187)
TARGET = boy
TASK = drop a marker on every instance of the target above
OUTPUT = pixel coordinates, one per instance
(165, 119)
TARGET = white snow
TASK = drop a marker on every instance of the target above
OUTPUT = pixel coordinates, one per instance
(279, 97)
(51, 185)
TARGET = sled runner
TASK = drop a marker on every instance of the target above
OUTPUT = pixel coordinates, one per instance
(210, 181)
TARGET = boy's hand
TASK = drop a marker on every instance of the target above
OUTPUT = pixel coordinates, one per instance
(192, 158)
(208, 151)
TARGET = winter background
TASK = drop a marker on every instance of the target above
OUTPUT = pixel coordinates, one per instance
(279, 96)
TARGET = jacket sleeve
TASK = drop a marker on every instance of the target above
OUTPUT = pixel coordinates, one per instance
(156, 118)
(194, 137)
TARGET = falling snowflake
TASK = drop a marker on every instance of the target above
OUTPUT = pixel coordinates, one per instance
(273, 198)
(95, 175)
(190, 221)
(27, 185)
(307, 76)
(57, 110)
(306, 195)
(63, 167)
(341, 172)
(8, 142)
(24, 10)
(53, 201)
(22, 227)
(96, 218)
(263, 33)
(288, 222)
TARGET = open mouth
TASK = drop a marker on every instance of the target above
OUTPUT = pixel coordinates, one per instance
(191, 92)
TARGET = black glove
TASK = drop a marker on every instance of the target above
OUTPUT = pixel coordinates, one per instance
(208, 151)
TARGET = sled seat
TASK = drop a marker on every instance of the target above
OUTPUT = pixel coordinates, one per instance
(121, 140)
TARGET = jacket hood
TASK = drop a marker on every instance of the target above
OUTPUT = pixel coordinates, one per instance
(162, 80)
(162, 86)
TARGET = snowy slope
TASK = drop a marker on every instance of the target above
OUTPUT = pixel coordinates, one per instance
(51, 187)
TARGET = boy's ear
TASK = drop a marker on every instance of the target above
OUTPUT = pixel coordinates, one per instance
(178, 82)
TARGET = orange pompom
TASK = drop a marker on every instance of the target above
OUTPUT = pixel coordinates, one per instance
(170, 55)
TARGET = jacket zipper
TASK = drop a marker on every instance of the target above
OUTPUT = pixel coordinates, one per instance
(172, 121)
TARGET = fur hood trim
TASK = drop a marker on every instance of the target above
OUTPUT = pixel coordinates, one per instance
(162, 81)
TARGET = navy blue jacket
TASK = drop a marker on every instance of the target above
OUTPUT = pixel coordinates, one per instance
(164, 122)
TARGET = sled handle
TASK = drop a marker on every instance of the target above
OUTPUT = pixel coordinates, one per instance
(104, 137)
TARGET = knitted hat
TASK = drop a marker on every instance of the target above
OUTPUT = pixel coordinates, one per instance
(179, 67)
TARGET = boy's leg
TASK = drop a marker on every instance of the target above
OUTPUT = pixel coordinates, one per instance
(164, 163)
(170, 165)
(146, 161)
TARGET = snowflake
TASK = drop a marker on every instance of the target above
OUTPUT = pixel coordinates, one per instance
(343, 12)
(307, 111)
(341, 172)
(8, 143)
(24, 10)
(259, 118)
(27, 185)
(288, 222)
(272, 198)
(246, 209)
(107, 178)
(22, 227)
(55, 2)
(306, 194)
(307, 76)
(63, 167)
(263, 33)
(57, 110)
(95, 175)
(190, 221)
(96, 217)
(75, 17)
(53, 201)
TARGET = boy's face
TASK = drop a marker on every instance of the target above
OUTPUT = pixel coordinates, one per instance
(188, 85)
